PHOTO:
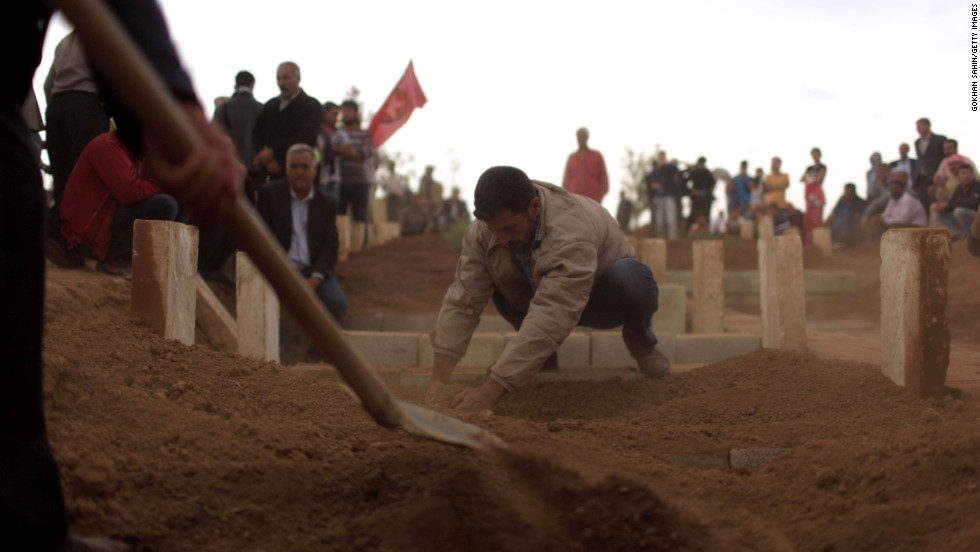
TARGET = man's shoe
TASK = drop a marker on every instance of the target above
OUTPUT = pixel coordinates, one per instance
(55, 252)
(551, 364)
(654, 365)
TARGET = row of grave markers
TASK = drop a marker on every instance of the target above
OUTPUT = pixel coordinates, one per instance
(914, 278)
(164, 269)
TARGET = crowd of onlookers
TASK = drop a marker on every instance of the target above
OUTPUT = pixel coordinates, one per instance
(938, 187)
(100, 186)
(305, 162)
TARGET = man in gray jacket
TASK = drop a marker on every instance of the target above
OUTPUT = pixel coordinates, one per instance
(550, 260)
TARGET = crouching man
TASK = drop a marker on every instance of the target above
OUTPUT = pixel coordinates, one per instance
(550, 260)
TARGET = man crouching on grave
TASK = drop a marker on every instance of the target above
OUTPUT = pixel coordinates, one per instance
(550, 260)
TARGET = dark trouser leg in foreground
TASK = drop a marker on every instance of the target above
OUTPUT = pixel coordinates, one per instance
(32, 513)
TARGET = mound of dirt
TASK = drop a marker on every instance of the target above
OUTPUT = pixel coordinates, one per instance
(181, 448)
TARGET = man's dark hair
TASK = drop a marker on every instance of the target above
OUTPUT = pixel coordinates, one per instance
(327, 106)
(502, 188)
(350, 103)
(956, 144)
(702, 160)
(925, 121)
(244, 78)
(850, 185)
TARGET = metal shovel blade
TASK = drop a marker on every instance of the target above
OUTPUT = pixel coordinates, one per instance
(433, 425)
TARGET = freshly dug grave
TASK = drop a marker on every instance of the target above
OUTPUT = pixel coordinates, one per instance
(181, 448)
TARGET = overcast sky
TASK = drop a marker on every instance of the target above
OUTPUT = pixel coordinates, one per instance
(509, 82)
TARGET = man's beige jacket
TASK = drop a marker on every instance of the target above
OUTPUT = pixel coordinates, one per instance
(580, 240)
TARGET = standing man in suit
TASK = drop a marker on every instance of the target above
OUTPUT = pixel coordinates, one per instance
(290, 118)
(929, 151)
(305, 222)
(235, 117)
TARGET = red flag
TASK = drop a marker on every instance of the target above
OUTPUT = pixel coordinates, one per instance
(406, 96)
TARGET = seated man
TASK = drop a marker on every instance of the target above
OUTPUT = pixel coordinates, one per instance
(550, 260)
(106, 192)
(845, 220)
(958, 212)
(304, 220)
(903, 210)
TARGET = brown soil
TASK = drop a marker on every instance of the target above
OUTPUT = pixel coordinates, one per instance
(181, 448)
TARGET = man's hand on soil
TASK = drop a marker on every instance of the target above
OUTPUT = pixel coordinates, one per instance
(479, 399)
(437, 394)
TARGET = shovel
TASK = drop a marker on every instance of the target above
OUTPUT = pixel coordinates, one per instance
(123, 66)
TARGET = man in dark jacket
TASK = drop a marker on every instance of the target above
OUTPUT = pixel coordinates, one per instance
(237, 116)
(305, 223)
(845, 220)
(290, 118)
(702, 192)
(929, 151)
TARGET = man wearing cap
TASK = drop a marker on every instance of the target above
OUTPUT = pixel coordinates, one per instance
(903, 210)
(290, 118)
(550, 260)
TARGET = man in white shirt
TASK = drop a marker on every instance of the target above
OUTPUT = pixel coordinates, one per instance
(304, 220)
(902, 211)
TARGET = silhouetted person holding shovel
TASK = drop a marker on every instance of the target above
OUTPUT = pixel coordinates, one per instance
(32, 511)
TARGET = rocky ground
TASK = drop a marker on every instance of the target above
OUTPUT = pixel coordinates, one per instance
(182, 448)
